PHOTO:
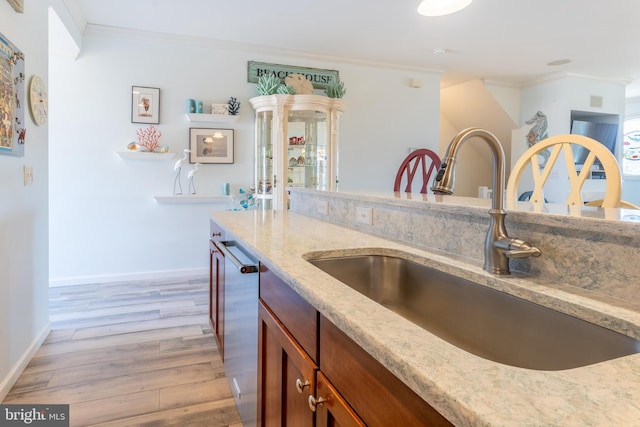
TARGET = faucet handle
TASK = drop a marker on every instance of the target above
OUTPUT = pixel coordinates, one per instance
(518, 248)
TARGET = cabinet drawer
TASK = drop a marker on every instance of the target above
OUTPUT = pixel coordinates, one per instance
(377, 396)
(297, 315)
(216, 233)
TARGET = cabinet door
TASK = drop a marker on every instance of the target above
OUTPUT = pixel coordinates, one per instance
(331, 409)
(286, 376)
(216, 295)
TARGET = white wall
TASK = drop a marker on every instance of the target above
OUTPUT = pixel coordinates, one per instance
(105, 223)
(23, 212)
(556, 98)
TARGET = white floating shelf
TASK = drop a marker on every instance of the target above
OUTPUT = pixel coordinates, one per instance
(212, 118)
(192, 198)
(145, 155)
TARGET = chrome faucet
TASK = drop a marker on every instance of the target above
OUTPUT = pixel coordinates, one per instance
(498, 246)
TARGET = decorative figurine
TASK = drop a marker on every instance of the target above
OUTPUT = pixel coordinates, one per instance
(177, 184)
(149, 139)
(335, 89)
(192, 172)
(234, 106)
(299, 83)
(268, 84)
(286, 90)
(191, 105)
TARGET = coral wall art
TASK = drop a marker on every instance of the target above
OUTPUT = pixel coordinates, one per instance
(12, 87)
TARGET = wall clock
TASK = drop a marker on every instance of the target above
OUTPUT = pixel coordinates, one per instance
(38, 100)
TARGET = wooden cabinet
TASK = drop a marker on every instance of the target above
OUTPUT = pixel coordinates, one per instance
(216, 286)
(347, 387)
(296, 145)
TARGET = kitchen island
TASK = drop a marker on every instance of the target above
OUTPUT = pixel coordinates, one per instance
(466, 389)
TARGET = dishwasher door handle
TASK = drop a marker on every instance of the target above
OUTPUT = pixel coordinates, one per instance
(243, 268)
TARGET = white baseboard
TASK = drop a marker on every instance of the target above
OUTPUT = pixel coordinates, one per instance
(14, 373)
(149, 275)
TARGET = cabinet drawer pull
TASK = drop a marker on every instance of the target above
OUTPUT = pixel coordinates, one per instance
(300, 386)
(216, 234)
(313, 402)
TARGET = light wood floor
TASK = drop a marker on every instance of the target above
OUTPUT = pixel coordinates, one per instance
(131, 354)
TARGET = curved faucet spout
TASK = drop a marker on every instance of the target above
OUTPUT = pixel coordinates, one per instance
(445, 179)
(498, 246)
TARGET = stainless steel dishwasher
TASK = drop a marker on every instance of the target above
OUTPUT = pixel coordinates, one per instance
(241, 329)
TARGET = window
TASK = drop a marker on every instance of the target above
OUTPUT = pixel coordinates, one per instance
(631, 147)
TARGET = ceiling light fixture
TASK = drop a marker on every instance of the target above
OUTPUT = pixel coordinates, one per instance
(441, 7)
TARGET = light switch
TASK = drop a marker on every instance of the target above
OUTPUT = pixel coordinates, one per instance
(27, 172)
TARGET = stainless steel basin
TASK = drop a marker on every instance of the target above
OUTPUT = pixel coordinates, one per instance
(480, 320)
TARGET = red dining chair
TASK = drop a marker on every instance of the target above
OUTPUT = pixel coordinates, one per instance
(421, 159)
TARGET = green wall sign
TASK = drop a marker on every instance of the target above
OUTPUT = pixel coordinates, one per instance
(319, 78)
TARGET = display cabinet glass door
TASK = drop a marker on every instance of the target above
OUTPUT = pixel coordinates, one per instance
(264, 160)
(307, 150)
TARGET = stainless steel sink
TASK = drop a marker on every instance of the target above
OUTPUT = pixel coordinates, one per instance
(480, 320)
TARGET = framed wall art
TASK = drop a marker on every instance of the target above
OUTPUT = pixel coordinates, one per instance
(18, 5)
(145, 105)
(12, 90)
(210, 145)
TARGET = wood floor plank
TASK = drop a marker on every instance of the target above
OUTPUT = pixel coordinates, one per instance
(182, 395)
(131, 366)
(138, 326)
(114, 408)
(45, 362)
(140, 306)
(218, 413)
(111, 319)
(57, 335)
(137, 353)
(111, 340)
(33, 381)
(115, 385)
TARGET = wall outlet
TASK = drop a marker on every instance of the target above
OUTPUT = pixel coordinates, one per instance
(364, 216)
(322, 207)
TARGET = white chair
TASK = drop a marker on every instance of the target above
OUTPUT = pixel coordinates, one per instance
(556, 145)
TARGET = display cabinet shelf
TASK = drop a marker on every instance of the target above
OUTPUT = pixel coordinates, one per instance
(212, 118)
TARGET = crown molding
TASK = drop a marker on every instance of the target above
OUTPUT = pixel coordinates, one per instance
(576, 76)
(204, 43)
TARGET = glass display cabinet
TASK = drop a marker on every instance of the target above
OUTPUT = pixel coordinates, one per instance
(296, 145)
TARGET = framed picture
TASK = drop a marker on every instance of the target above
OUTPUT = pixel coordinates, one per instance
(210, 145)
(18, 5)
(13, 129)
(145, 105)
(220, 109)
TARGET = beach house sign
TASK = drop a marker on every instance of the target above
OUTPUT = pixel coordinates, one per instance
(319, 78)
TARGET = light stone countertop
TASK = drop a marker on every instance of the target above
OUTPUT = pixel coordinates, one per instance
(467, 389)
